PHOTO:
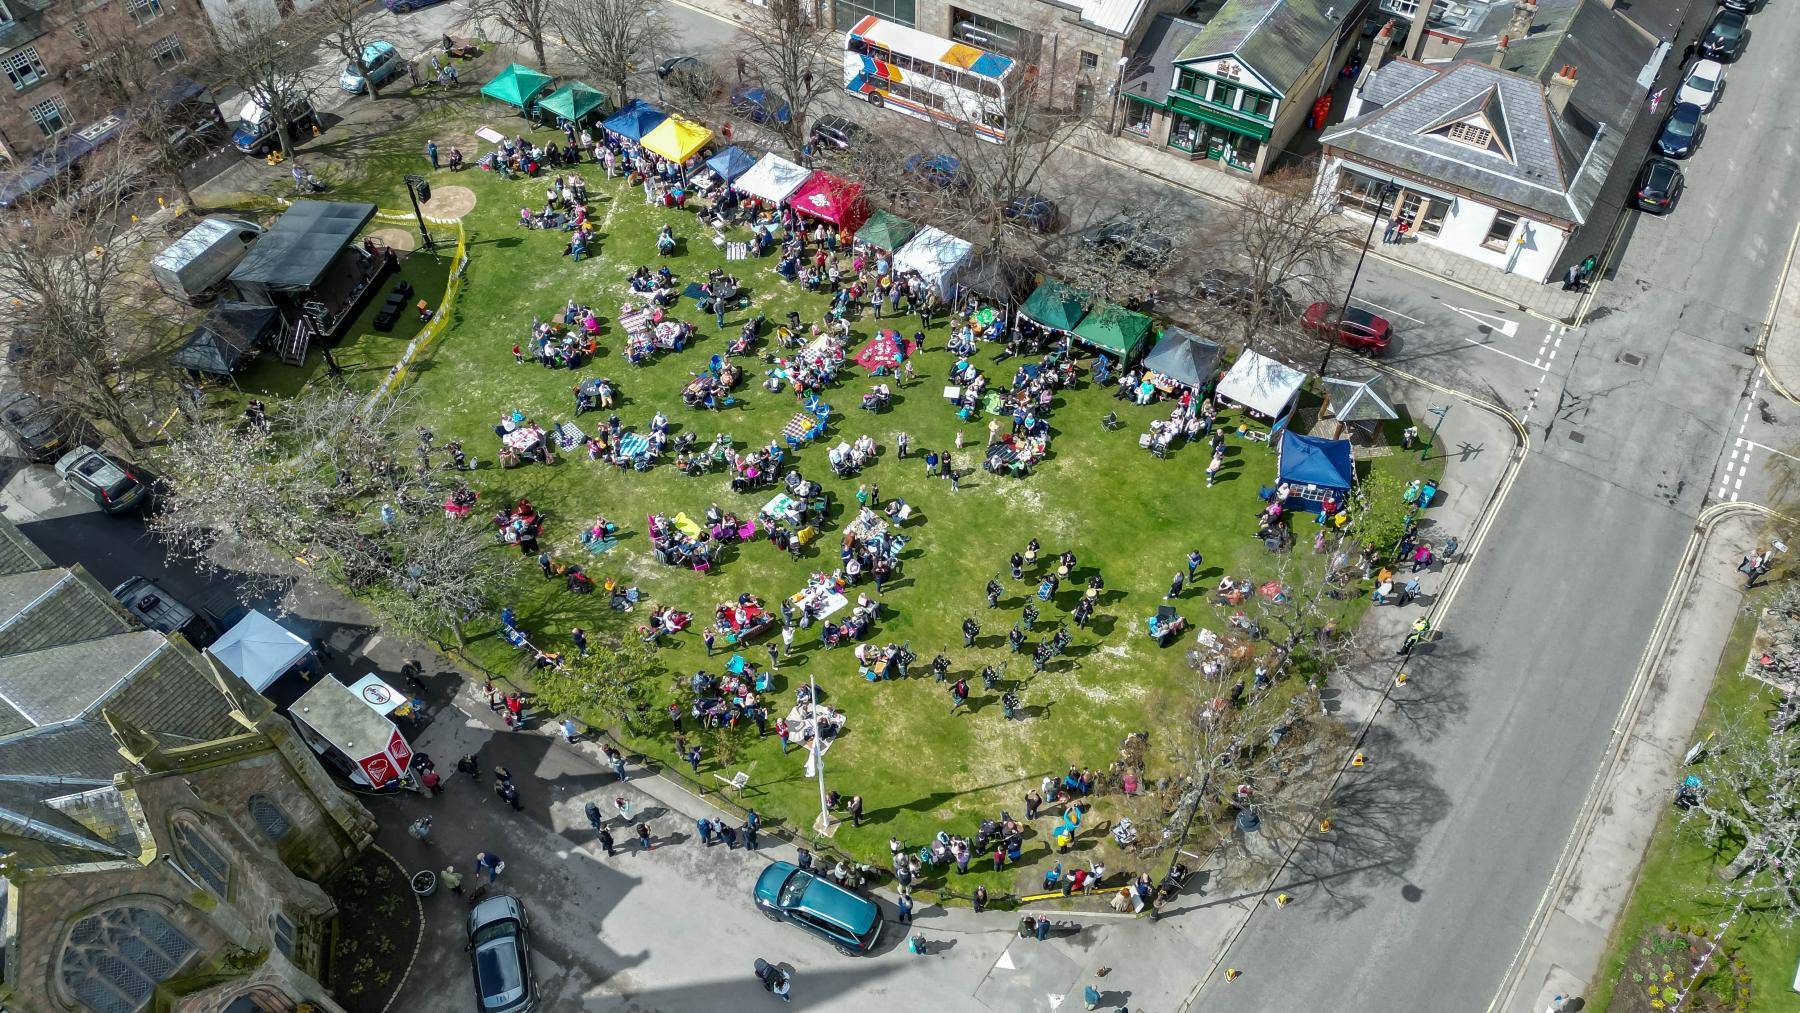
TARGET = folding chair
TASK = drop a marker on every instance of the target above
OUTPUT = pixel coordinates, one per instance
(1110, 420)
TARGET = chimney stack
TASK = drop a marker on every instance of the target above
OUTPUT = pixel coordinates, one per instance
(1561, 86)
(1524, 11)
(1499, 56)
(1378, 50)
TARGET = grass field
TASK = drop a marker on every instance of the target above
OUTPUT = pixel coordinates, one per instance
(1127, 515)
(1678, 885)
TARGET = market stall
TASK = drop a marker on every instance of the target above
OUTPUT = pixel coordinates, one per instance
(885, 231)
(634, 119)
(772, 178)
(517, 86)
(259, 650)
(350, 735)
(1183, 359)
(1055, 306)
(1116, 331)
(576, 102)
(676, 138)
(1312, 469)
(731, 163)
(1262, 385)
(831, 200)
(937, 257)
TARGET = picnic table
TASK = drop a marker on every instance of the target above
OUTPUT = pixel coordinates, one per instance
(783, 508)
(521, 439)
(801, 426)
(867, 526)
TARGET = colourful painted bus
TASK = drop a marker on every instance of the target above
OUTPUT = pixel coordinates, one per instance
(903, 69)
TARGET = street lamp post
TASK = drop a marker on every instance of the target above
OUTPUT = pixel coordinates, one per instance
(818, 758)
(415, 186)
(1387, 190)
(1440, 410)
(1118, 97)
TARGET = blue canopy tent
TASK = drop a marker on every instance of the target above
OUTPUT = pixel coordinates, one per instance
(1314, 468)
(731, 163)
(635, 119)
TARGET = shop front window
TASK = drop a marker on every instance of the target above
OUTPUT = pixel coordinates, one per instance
(1184, 132)
(1137, 117)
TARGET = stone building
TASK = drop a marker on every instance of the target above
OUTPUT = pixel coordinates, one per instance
(162, 829)
(49, 51)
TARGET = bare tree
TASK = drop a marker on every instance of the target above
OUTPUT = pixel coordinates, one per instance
(161, 123)
(255, 55)
(1751, 800)
(529, 21)
(796, 59)
(1292, 242)
(611, 38)
(349, 27)
(1121, 262)
(441, 573)
(91, 334)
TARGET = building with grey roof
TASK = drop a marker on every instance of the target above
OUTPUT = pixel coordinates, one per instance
(1500, 151)
(155, 814)
(1232, 82)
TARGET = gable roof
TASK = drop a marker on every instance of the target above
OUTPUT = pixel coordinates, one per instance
(1152, 67)
(1277, 39)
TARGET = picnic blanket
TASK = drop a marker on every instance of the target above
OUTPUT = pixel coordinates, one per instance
(634, 445)
(824, 598)
(798, 426)
(635, 322)
(867, 525)
(521, 439)
(885, 351)
(694, 291)
(569, 435)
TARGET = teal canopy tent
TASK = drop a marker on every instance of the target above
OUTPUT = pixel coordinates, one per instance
(574, 102)
(516, 86)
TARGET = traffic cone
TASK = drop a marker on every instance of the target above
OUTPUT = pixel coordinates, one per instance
(1283, 900)
(1359, 759)
(1400, 679)
(1325, 826)
(1231, 973)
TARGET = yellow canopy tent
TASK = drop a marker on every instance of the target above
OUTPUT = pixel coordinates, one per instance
(676, 139)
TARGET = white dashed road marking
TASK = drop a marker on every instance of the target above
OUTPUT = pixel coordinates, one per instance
(1737, 462)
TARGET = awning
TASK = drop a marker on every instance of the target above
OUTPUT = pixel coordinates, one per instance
(302, 243)
(259, 650)
(1221, 118)
(1261, 384)
(635, 119)
(1055, 305)
(1115, 329)
(885, 231)
(1311, 461)
(731, 163)
(516, 86)
(772, 178)
(1185, 358)
(573, 101)
(832, 200)
(676, 138)
(227, 336)
(936, 256)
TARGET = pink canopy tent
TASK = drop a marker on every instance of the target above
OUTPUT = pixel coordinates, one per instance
(885, 351)
(831, 200)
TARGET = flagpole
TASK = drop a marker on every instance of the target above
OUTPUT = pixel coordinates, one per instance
(818, 757)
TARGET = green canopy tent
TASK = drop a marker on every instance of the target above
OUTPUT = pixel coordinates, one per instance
(1055, 305)
(886, 231)
(517, 86)
(1117, 330)
(574, 102)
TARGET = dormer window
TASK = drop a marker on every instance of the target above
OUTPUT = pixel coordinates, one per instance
(1472, 135)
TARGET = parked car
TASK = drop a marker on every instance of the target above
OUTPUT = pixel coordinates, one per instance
(1741, 6)
(1238, 291)
(759, 105)
(113, 485)
(1702, 84)
(254, 131)
(1039, 213)
(159, 610)
(674, 63)
(1681, 132)
(1724, 37)
(848, 921)
(383, 62)
(837, 132)
(1141, 247)
(500, 950)
(1658, 185)
(40, 432)
(941, 172)
(407, 6)
(1360, 330)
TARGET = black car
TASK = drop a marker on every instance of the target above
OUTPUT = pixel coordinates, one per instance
(1724, 37)
(40, 432)
(1140, 247)
(837, 132)
(1658, 184)
(1681, 132)
(1038, 213)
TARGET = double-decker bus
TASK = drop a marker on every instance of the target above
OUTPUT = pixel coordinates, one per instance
(903, 69)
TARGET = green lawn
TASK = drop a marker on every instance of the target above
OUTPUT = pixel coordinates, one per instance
(919, 769)
(1677, 884)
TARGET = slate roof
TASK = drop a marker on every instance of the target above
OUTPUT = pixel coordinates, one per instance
(1559, 160)
(1152, 68)
(67, 652)
(27, 23)
(1277, 38)
(17, 554)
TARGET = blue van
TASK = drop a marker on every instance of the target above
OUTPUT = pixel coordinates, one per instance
(253, 133)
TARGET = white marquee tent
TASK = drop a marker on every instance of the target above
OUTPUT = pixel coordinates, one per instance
(1261, 384)
(259, 650)
(773, 178)
(938, 256)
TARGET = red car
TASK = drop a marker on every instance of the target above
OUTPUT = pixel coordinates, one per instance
(1359, 330)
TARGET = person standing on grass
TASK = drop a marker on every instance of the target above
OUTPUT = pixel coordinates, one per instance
(959, 694)
(1213, 466)
(693, 759)
(579, 637)
(1194, 561)
(856, 810)
(970, 630)
(431, 153)
(1175, 587)
(787, 639)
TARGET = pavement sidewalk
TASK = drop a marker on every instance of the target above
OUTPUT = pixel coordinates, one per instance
(1780, 345)
(1569, 939)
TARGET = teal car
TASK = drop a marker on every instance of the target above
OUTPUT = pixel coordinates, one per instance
(849, 921)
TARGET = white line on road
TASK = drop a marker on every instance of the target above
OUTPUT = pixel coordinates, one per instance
(1760, 446)
(1492, 321)
(1383, 309)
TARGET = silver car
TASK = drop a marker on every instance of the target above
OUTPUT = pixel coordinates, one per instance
(500, 949)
